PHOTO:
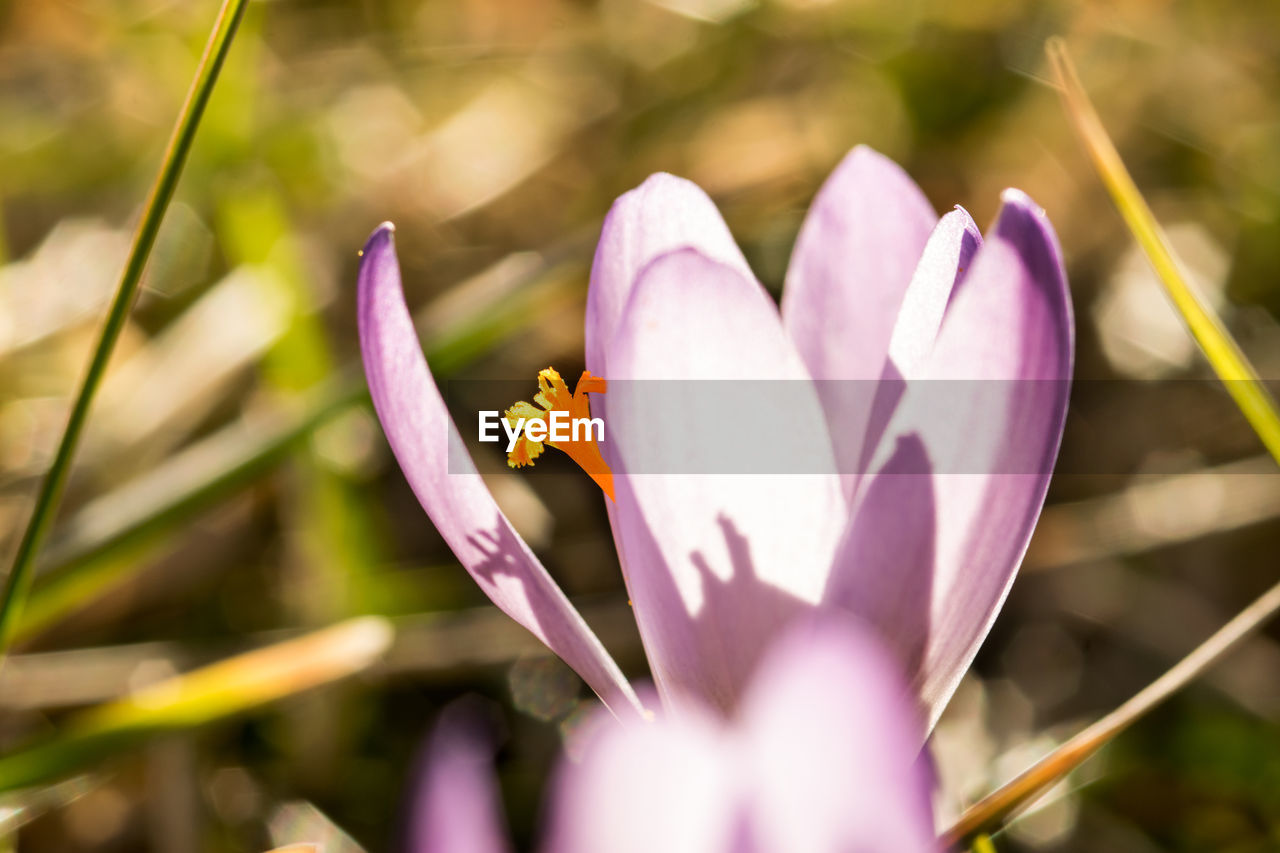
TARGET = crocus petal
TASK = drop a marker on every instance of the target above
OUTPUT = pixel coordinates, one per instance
(945, 260)
(717, 561)
(456, 805)
(989, 405)
(662, 214)
(424, 438)
(853, 260)
(854, 257)
(942, 267)
(822, 757)
(832, 745)
(644, 787)
(884, 566)
(883, 569)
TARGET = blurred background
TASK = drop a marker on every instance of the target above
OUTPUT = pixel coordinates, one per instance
(233, 486)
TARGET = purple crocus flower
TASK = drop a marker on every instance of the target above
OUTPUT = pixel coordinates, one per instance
(818, 756)
(879, 289)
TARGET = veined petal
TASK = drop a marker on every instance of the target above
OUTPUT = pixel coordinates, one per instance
(717, 561)
(455, 803)
(853, 260)
(988, 404)
(424, 438)
(662, 214)
(832, 742)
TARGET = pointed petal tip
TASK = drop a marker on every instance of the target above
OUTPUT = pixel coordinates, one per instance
(866, 170)
(658, 178)
(665, 198)
(959, 218)
(1026, 224)
(383, 235)
(378, 274)
(1014, 199)
(660, 189)
(863, 150)
(864, 160)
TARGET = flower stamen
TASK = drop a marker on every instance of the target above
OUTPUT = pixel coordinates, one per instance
(553, 396)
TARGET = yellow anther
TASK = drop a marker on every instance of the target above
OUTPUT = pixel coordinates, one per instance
(526, 449)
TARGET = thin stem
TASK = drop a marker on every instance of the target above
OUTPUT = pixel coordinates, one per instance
(1002, 802)
(18, 583)
(1228, 361)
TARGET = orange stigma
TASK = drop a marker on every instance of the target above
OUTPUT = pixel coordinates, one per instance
(553, 396)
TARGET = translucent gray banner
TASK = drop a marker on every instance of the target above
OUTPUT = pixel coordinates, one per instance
(706, 427)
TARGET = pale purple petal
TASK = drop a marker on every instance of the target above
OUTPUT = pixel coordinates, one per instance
(888, 579)
(455, 805)
(664, 786)
(822, 757)
(421, 433)
(832, 744)
(989, 404)
(947, 257)
(943, 264)
(854, 257)
(717, 562)
(662, 214)
(884, 566)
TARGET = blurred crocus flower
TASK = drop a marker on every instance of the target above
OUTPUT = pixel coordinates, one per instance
(879, 290)
(819, 756)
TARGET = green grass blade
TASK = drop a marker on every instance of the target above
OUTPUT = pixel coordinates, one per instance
(1231, 365)
(18, 583)
(227, 688)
